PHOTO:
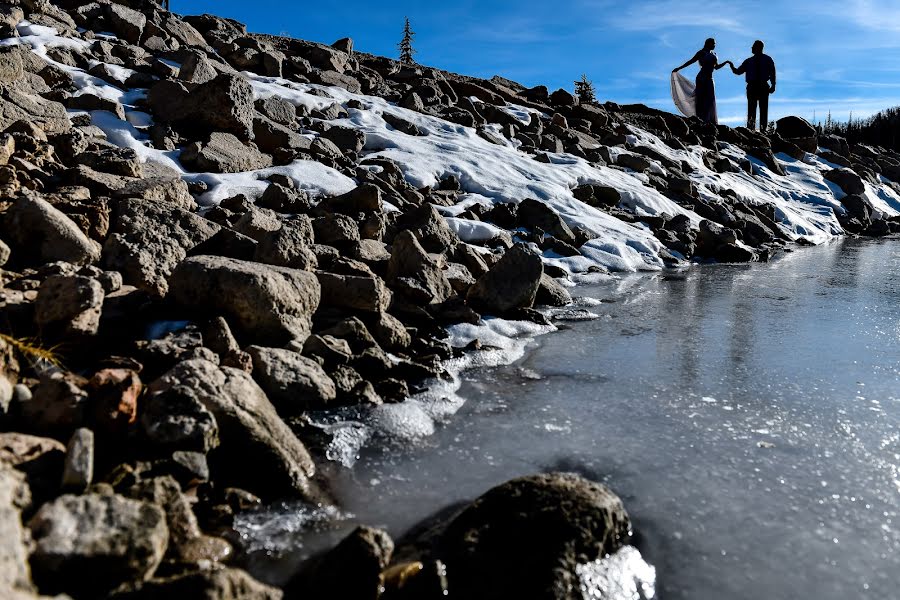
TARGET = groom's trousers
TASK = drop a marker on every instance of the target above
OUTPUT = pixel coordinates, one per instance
(758, 98)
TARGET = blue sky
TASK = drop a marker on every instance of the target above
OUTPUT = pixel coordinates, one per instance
(832, 55)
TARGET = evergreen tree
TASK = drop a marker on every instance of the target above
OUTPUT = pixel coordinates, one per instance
(406, 44)
(584, 90)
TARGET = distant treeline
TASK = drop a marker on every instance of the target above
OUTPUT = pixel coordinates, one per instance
(881, 129)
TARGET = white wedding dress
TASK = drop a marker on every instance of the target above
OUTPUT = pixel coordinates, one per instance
(683, 95)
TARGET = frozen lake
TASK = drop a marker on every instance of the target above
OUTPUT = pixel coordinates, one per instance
(747, 415)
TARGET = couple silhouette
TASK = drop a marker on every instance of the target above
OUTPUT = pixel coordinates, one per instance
(759, 70)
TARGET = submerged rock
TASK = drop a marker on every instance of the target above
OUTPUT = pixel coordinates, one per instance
(525, 538)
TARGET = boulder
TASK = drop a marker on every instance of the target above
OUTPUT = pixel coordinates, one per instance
(272, 137)
(366, 293)
(525, 538)
(365, 198)
(293, 382)
(430, 228)
(334, 229)
(91, 102)
(288, 246)
(69, 306)
(551, 293)
(346, 138)
(224, 153)
(859, 207)
(39, 233)
(389, 332)
(798, 131)
(223, 105)
(562, 98)
(170, 190)
(712, 235)
(216, 583)
(261, 301)
(278, 110)
(352, 569)
(534, 213)
(176, 420)
(149, 239)
(114, 539)
(792, 127)
(258, 451)
(126, 22)
(415, 274)
(258, 222)
(635, 162)
(18, 105)
(848, 180)
(510, 284)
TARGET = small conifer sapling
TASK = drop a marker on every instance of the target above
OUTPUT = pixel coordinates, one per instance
(407, 52)
(584, 90)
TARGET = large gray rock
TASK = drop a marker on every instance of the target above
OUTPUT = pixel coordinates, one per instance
(523, 539)
(798, 131)
(258, 222)
(847, 179)
(111, 538)
(39, 233)
(126, 22)
(18, 105)
(224, 104)
(365, 554)
(431, 229)
(552, 293)
(176, 420)
(171, 190)
(69, 306)
(288, 246)
(510, 284)
(263, 302)
(533, 213)
(293, 382)
(258, 451)
(415, 274)
(367, 293)
(271, 136)
(224, 153)
(217, 583)
(149, 239)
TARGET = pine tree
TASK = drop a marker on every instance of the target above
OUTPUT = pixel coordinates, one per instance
(406, 45)
(585, 91)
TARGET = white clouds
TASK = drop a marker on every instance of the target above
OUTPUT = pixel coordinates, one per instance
(658, 15)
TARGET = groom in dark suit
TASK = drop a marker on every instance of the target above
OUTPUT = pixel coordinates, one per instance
(760, 70)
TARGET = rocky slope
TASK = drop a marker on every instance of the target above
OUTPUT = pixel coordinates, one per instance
(218, 233)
